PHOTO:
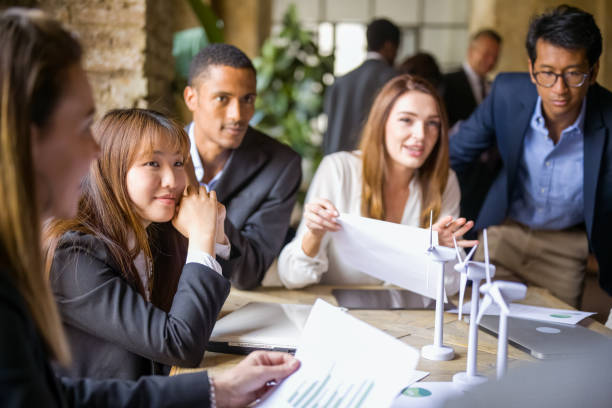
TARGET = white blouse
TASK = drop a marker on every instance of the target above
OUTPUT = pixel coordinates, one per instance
(338, 179)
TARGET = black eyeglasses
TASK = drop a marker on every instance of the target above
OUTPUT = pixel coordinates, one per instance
(573, 79)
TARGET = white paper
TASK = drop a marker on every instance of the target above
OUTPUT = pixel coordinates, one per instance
(391, 252)
(426, 395)
(543, 314)
(344, 358)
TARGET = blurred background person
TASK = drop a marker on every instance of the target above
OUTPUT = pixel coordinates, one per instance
(348, 100)
(424, 65)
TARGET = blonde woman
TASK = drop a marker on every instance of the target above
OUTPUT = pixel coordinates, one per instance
(400, 174)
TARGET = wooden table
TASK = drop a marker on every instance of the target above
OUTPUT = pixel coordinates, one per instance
(414, 327)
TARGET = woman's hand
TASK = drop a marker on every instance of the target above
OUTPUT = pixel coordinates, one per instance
(447, 228)
(319, 217)
(196, 219)
(220, 238)
(249, 380)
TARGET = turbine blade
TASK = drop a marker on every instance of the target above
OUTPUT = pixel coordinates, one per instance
(457, 250)
(471, 253)
(484, 305)
(486, 251)
(462, 293)
(499, 299)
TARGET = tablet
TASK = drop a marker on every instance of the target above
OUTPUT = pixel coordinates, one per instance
(385, 299)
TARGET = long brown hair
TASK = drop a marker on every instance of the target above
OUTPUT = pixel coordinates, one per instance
(432, 175)
(35, 56)
(105, 209)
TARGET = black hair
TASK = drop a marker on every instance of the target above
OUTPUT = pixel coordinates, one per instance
(218, 54)
(488, 33)
(380, 31)
(567, 27)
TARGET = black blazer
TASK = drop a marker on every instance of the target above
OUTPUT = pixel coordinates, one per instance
(258, 188)
(348, 101)
(458, 97)
(504, 117)
(113, 331)
(27, 379)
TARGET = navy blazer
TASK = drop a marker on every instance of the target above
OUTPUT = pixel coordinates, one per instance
(504, 117)
(27, 379)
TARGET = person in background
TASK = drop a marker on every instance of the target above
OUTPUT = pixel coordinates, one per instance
(463, 91)
(424, 65)
(552, 199)
(255, 177)
(46, 147)
(347, 102)
(118, 306)
(400, 174)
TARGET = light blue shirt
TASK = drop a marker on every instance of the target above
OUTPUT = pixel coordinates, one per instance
(197, 163)
(549, 192)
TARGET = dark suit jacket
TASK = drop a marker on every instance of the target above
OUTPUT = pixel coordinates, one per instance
(27, 379)
(113, 331)
(458, 97)
(475, 180)
(348, 101)
(504, 117)
(258, 188)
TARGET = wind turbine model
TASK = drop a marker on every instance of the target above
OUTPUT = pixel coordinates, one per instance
(439, 255)
(474, 271)
(502, 293)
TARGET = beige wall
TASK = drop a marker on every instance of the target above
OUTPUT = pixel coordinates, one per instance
(247, 23)
(511, 20)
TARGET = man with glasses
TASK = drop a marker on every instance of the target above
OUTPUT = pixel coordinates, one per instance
(552, 200)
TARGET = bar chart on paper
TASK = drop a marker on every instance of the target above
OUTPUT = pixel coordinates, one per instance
(331, 390)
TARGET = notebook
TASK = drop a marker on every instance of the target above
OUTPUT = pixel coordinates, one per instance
(549, 340)
(259, 326)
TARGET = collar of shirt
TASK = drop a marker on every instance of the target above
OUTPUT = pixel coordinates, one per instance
(197, 162)
(475, 82)
(374, 55)
(538, 123)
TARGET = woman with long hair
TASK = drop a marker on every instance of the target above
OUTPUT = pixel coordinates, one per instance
(110, 266)
(400, 174)
(46, 147)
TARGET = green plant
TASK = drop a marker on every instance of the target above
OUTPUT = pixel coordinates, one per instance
(291, 82)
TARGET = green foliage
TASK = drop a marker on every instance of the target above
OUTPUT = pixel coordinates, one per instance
(291, 77)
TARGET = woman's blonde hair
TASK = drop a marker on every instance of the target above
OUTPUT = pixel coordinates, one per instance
(35, 55)
(105, 209)
(433, 174)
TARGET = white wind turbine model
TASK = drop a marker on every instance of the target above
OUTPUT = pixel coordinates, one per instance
(501, 293)
(439, 255)
(474, 271)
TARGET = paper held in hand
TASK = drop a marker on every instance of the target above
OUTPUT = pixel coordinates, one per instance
(345, 362)
(391, 252)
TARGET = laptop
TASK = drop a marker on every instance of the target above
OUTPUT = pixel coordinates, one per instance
(259, 326)
(549, 340)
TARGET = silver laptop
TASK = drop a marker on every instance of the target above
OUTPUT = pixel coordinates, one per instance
(259, 326)
(549, 340)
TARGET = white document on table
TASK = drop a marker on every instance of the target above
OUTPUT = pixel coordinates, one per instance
(345, 363)
(528, 312)
(391, 252)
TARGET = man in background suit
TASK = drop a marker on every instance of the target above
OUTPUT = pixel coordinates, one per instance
(552, 199)
(463, 91)
(254, 176)
(348, 101)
